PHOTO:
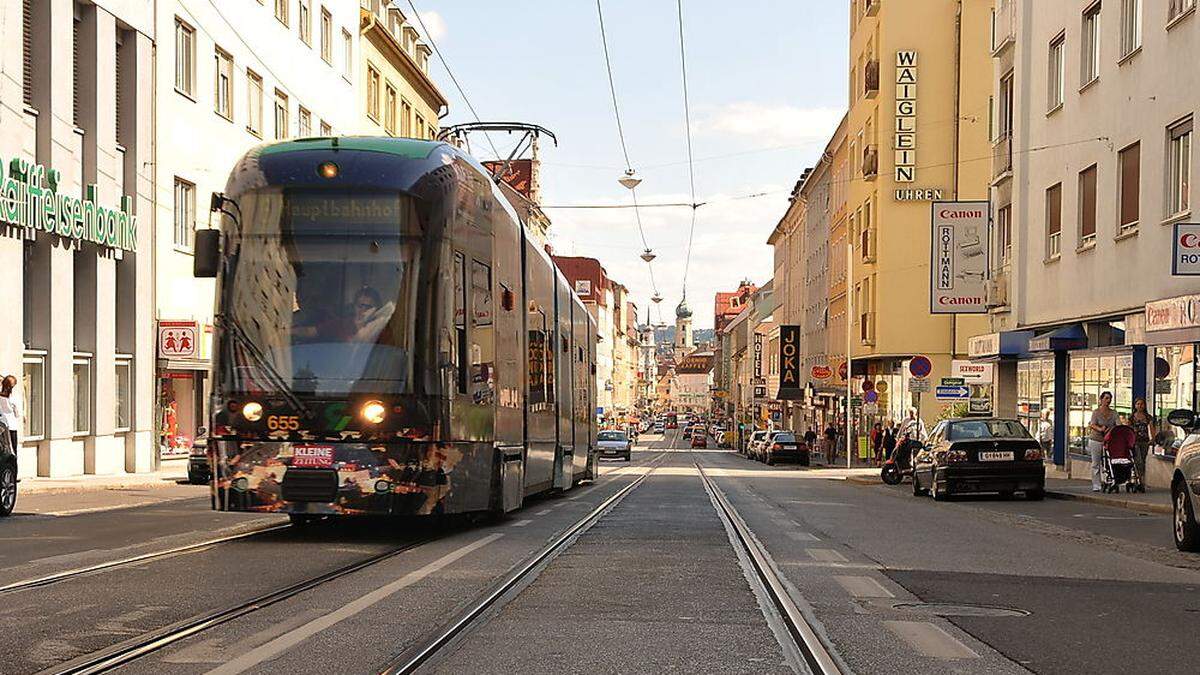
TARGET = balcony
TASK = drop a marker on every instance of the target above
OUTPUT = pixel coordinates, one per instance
(871, 7)
(871, 78)
(870, 162)
(1004, 25)
(866, 328)
(1002, 152)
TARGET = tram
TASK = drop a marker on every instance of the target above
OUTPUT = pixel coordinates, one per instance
(389, 338)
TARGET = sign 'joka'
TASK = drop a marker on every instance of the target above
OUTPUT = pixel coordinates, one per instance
(29, 198)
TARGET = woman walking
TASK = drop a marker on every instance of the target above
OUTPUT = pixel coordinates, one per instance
(1103, 420)
(10, 409)
(1143, 424)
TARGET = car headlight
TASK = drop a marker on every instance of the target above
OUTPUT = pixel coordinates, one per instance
(383, 486)
(252, 411)
(373, 412)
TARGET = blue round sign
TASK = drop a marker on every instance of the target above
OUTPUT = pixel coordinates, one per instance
(920, 367)
(871, 396)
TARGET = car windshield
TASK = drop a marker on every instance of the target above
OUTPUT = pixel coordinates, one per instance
(611, 436)
(785, 437)
(986, 429)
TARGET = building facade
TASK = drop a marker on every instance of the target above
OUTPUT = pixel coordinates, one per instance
(76, 210)
(398, 96)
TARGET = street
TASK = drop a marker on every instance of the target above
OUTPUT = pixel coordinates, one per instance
(888, 582)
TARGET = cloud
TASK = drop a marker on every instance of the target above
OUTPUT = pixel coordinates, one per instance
(776, 123)
(435, 23)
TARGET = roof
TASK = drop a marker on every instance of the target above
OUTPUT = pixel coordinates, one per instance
(408, 148)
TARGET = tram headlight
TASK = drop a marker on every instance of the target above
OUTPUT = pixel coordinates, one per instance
(373, 412)
(240, 484)
(327, 170)
(383, 486)
(252, 411)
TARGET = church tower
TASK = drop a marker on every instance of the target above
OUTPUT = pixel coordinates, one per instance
(684, 342)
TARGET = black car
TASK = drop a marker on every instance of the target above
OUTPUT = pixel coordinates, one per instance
(981, 454)
(783, 446)
(199, 467)
(8, 473)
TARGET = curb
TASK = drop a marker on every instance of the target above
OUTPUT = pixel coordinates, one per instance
(863, 480)
(1118, 502)
(28, 487)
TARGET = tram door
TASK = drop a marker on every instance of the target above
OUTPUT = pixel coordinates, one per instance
(564, 455)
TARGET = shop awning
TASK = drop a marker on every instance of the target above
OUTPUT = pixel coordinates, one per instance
(1060, 339)
(184, 364)
(789, 394)
(1003, 346)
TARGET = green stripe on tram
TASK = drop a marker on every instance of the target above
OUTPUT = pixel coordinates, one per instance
(408, 148)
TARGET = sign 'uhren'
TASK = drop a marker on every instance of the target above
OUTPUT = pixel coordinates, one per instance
(29, 199)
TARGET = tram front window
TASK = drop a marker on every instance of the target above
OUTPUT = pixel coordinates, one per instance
(323, 285)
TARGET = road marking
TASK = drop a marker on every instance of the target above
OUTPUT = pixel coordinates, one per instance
(294, 637)
(802, 536)
(931, 640)
(543, 512)
(826, 555)
(785, 522)
(832, 565)
(110, 507)
(812, 503)
(521, 523)
(863, 587)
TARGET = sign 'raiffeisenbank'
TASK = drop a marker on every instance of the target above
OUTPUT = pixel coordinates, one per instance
(29, 198)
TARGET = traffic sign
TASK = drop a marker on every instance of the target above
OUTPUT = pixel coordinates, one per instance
(953, 381)
(881, 386)
(871, 396)
(952, 393)
(871, 409)
(918, 386)
(920, 367)
(842, 371)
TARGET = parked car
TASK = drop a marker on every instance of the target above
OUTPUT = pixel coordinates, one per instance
(8, 473)
(699, 440)
(781, 446)
(1185, 481)
(980, 454)
(613, 443)
(752, 445)
(659, 427)
(199, 465)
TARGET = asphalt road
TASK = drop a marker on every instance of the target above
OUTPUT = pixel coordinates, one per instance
(891, 582)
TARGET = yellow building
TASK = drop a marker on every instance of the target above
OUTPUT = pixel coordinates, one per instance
(398, 97)
(917, 132)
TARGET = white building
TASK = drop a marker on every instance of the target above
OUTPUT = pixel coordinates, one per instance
(76, 141)
(231, 75)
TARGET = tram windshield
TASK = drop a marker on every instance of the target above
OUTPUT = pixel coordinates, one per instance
(321, 292)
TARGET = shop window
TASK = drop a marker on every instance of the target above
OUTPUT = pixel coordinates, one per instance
(124, 392)
(1174, 370)
(81, 377)
(34, 389)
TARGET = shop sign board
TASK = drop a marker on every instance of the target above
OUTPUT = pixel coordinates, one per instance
(29, 199)
(1173, 313)
(821, 372)
(1185, 250)
(789, 357)
(959, 257)
(987, 344)
(979, 406)
(972, 373)
(177, 339)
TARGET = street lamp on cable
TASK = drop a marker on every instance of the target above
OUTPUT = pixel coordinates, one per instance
(648, 255)
(630, 180)
(657, 298)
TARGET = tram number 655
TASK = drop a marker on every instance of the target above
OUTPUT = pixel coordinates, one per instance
(283, 422)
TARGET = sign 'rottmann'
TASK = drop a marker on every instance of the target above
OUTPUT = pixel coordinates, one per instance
(29, 198)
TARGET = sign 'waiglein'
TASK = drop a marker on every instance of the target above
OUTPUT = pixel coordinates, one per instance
(29, 198)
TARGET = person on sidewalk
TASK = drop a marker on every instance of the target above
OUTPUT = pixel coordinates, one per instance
(889, 439)
(1045, 433)
(10, 409)
(1103, 420)
(877, 442)
(1143, 424)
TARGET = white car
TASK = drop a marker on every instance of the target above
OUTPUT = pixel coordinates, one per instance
(613, 443)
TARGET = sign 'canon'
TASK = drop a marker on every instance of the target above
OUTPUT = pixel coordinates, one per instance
(959, 257)
(29, 199)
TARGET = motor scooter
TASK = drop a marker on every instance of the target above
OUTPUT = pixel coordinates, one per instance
(899, 465)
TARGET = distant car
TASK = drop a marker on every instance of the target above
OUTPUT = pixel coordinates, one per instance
(687, 431)
(781, 446)
(659, 427)
(199, 467)
(1185, 480)
(699, 440)
(672, 425)
(614, 444)
(8, 473)
(752, 445)
(981, 454)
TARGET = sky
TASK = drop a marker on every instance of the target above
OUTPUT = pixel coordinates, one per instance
(767, 86)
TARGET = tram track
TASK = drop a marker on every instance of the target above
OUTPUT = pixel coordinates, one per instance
(781, 608)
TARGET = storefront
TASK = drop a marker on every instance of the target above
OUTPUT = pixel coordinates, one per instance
(183, 386)
(1173, 336)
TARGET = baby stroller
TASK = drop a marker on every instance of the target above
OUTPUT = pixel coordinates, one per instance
(1118, 466)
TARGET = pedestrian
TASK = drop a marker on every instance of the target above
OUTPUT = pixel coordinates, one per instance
(10, 409)
(810, 436)
(1104, 418)
(1143, 424)
(877, 442)
(1045, 432)
(889, 439)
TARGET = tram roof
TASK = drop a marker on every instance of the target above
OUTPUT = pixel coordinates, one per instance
(407, 148)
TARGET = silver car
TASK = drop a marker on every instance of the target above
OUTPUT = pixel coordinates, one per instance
(613, 443)
(1185, 481)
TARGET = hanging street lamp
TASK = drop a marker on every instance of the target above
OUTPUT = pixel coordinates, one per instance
(630, 179)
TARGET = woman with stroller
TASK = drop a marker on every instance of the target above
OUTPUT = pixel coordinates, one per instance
(1104, 418)
(1143, 424)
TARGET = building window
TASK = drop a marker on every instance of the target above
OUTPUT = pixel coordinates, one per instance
(1053, 221)
(405, 119)
(185, 58)
(281, 115)
(27, 51)
(34, 385)
(1131, 26)
(326, 130)
(1179, 168)
(81, 377)
(326, 36)
(1056, 72)
(373, 93)
(75, 72)
(1089, 68)
(1179, 8)
(124, 392)
(1004, 116)
(1087, 205)
(1004, 234)
(281, 11)
(185, 213)
(389, 111)
(254, 103)
(304, 119)
(1129, 165)
(304, 18)
(224, 84)
(347, 54)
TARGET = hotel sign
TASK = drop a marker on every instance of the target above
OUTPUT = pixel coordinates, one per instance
(959, 257)
(29, 199)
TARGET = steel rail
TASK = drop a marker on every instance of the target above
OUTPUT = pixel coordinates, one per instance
(122, 653)
(808, 643)
(526, 571)
(57, 577)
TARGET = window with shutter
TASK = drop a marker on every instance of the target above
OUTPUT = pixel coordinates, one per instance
(1130, 166)
(118, 85)
(27, 51)
(1087, 205)
(1053, 220)
(75, 72)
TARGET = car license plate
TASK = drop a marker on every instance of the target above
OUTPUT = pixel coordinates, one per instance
(312, 456)
(995, 457)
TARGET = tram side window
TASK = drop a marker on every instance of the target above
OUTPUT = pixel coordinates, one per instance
(460, 322)
(536, 361)
(483, 343)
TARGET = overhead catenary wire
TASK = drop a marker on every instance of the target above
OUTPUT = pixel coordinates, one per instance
(687, 119)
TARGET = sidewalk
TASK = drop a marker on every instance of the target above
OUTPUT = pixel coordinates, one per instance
(168, 477)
